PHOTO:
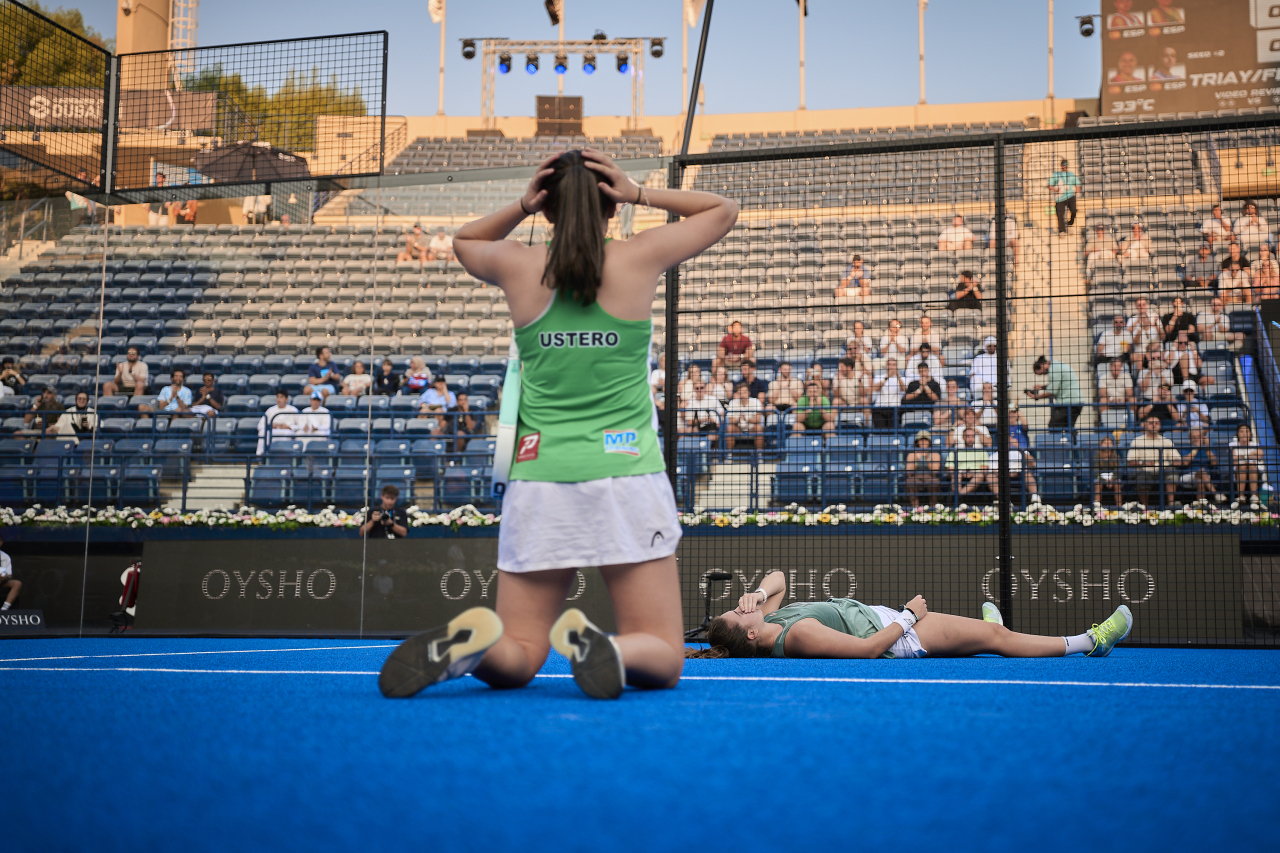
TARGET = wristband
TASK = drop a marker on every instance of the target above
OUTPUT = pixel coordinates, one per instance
(522, 207)
(760, 590)
(906, 619)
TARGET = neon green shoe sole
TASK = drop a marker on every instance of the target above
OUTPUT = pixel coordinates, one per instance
(991, 613)
(1110, 632)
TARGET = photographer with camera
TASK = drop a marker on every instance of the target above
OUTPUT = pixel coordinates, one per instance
(384, 521)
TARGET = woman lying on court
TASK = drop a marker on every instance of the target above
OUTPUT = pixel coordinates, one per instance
(843, 628)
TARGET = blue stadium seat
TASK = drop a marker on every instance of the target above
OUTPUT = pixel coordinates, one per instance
(428, 453)
(322, 452)
(17, 451)
(98, 451)
(265, 385)
(400, 476)
(349, 486)
(462, 485)
(285, 453)
(13, 484)
(270, 486)
(140, 484)
(479, 452)
(174, 455)
(313, 489)
(97, 486)
(393, 451)
(239, 405)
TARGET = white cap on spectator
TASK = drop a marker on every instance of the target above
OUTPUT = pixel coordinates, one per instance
(1188, 386)
(988, 341)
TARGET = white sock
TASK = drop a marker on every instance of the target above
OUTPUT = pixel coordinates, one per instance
(4, 606)
(1080, 644)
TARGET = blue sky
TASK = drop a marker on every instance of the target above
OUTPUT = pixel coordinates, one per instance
(859, 53)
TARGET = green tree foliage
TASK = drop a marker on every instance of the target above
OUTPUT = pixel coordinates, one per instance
(35, 53)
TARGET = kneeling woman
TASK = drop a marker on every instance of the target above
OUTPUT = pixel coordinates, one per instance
(844, 628)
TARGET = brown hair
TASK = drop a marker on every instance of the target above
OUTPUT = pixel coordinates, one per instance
(728, 640)
(575, 204)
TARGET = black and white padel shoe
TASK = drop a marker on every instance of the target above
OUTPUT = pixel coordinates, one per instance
(593, 654)
(450, 651)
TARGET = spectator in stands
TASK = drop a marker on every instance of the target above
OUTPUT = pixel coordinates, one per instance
(657, 390)
(895, 343)
(859, 344)
(1151, 460)
(923, 390)
(785, 389)
(11, 376)
(816, 374)
(416, 247)
(1203, 271)
(814, 410)
(1264, 274)
(254, 209)
(1215, 325)
(1065, 184)
(985, 406)
(1010, 234)
(1163, 407)
(757, 388)
(323, 376)
(968, 294)
(1183, 359)
(1018, 435)
(435, 402)
(926, 336)
(924, 467)
(955, 236)
(1106, 471)
(131, 376)
(285, 222)
(1021, 465)
(184, 213)
(440, 248)
(1155, 374)
(887, 389)
(1100, 244)
(850, 390)
(174, 398)
(1191, 412)
(280, 419)
(928, 356)
(1115, 388)
(1124, 17)
(1115, 343)
(968, 462)
(1251, 228)
(157, 211)
(208, 399)
(969, 421)
(314, 421)
(692, 376)
(7, 580)
(45, 410)
(701, 413)
(856, 281)
(383, 520)
(357, 382)
(1216, 227)
(387, 382)
(1234, 285)
(719, 385)
(1144, 329)
(1199, 464)
(1246, 463)
(1136, 251)
(734, 347)
(78, 421)
(417, 378)
(984, 365)
(1179, 319)
(1236, 253)
(463, 421)
(745, 416)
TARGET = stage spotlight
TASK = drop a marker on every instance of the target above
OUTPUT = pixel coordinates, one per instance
(468, 49)
(562, 63)
(1086, 25)
(599, 36)
(655, 48)
(624, 63)
(504, 63)
(588, 63)
(531, 63)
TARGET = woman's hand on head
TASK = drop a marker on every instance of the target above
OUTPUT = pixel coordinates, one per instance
(613, 181)
(918, 607)
(534, 195)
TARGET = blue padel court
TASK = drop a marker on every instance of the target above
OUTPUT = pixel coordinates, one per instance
(287, 745)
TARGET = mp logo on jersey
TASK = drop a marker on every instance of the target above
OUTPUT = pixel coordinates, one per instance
(622, 441)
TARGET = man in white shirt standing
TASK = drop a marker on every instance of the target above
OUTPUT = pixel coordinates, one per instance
(984, 366)
(8, 580)
(887, 390)
(955, 236)
(278, 419)
(895, 344)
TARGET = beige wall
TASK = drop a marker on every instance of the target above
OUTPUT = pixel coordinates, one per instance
(145, 28)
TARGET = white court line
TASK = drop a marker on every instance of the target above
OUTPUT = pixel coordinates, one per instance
(764, 678)
(175, 654)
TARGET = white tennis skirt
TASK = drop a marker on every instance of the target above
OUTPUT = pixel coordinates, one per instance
(604, 522)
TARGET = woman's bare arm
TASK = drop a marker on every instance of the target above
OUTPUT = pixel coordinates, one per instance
(775, 587)
(481, 246)
(809, 638)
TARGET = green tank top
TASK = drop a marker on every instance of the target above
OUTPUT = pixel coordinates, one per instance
(840, 614)
(586, 410)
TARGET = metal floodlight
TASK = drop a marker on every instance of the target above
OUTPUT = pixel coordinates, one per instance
(553, 11)
(562, 63)
(1086, 25)
(504, 63)
(468, 48)
(655, 48)
(599, 36)
(531, 63)
(624, 62)
(588, 63)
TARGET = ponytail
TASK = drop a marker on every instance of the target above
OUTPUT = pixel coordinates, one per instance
(728, 640)
(576, 206)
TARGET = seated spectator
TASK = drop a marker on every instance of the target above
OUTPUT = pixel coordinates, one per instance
(757, 388)
(1264, 273)
(785, 389)
(313, 421)
(1155, 374)
(278, 419)
(951, 392)
(856, 283)
(173, 399)
(734, 347)
(357, 381)
(1234, 284)
(816, 374)
(955, 236)
(1144, 328)
(887, 389)
(924, 390)
(1191, 412)
(1136, 250)
(435, 402)
(322, 376)
(208, 399)
(924, 467)
(895, 343)
(967, 462)
(1151, 460)
(719, 385)
(45, 411)
(745, 417)
(1100, 244)
(441, 246)
(1010, 234)
(692, 377)
(986, 407)
(926, 336)
(1183, 359)
(11, 376)
(1216, 227)
(929, 357)
(985, 364)
(254, 209)
(1162, 407)
(859, 343)
(384, 521)
(1179, 320)
(657, 390)
(1018, 436)
(1215, 325)
(77, 421)
(1021, 465)
(968, 294)
(417, 378)
(1203, 271)
(851, 389)
(701, 413)
(1115, 389)
(462, 420)
(813, 410)
(1115, 343)
(131, 376)
(1251, 228)
(1246, 463)
(1198, 464)
(284, 222)
(387, 382)
(416, 247)
(969, 421)
(1106, 471)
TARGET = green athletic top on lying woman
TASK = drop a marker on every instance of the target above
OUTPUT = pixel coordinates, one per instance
(843, 628)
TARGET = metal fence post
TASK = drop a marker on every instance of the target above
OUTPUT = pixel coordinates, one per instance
(671, 349)
(1002, 394)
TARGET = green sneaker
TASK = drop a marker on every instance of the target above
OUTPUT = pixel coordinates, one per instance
(450, 651)
(1110, 632)
(991, 613)
(593, 655)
